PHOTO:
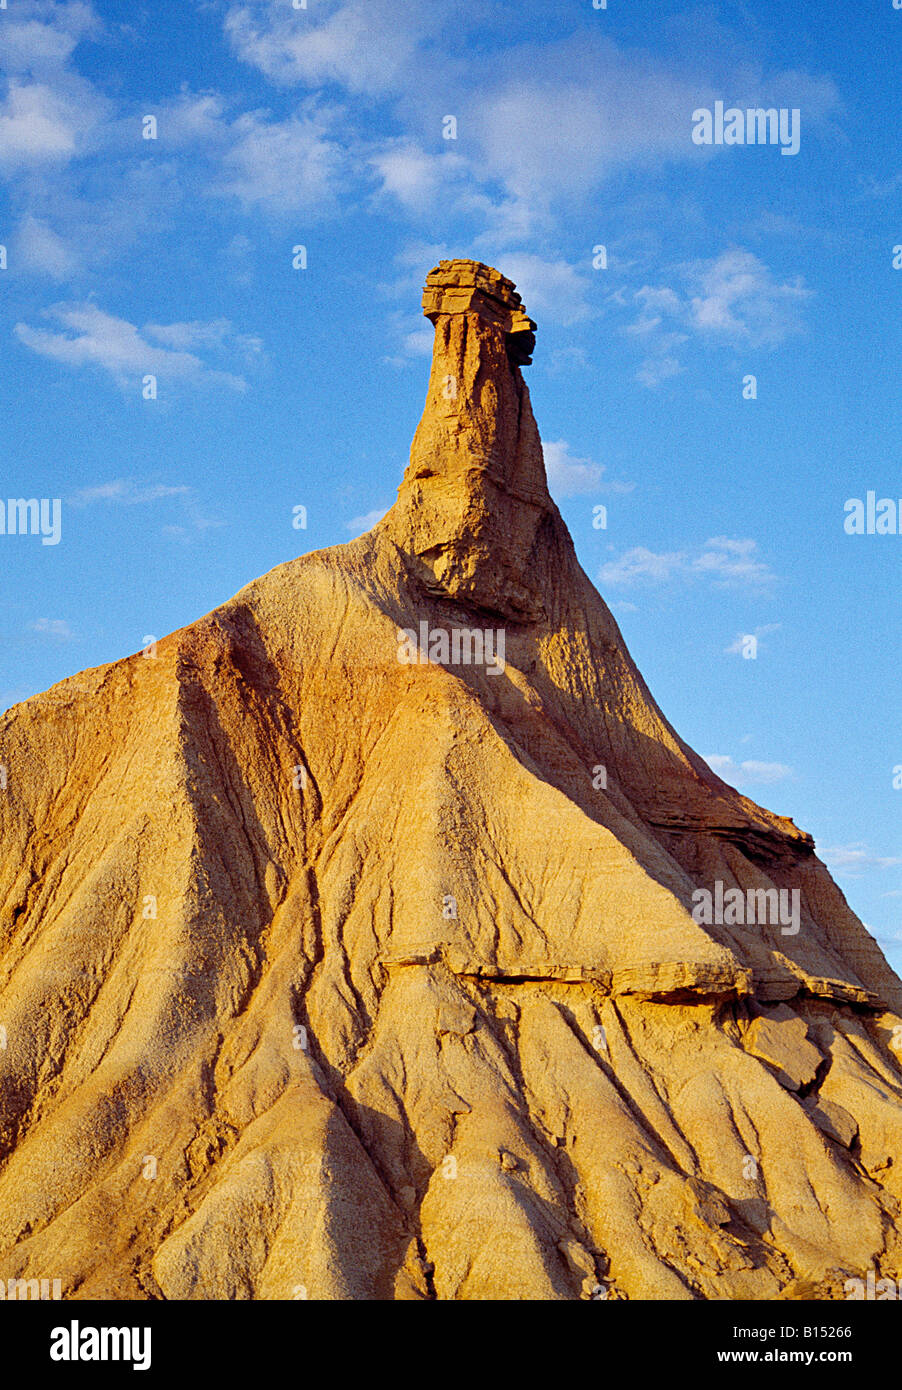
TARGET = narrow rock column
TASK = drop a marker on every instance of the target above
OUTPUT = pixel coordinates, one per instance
(475, 493)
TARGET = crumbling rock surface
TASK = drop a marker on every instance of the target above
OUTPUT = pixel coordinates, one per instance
(330, 972)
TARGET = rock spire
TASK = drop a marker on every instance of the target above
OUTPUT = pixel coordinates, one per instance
(474, 505)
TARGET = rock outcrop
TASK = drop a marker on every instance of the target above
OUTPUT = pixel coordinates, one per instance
(353, 941)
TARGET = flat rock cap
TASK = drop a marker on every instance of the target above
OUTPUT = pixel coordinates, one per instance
(464, 287)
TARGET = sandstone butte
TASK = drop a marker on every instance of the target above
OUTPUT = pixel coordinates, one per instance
(333, 975)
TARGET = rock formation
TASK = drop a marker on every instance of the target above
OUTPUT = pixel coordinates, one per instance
(376, 937)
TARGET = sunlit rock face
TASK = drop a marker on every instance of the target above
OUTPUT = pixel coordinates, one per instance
(474, 515)
(376, 937)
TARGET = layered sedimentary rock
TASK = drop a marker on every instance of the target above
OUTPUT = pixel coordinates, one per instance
(350, 944)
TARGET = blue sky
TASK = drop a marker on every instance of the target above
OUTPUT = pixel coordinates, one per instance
(279, 387)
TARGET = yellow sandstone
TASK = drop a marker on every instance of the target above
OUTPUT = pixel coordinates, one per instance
(328, 973)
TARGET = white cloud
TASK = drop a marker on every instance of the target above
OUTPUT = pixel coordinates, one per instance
(359, 524)
(738, 296)
(197, 523)
(419, 341)
(365, 45)
(48, 112)
(95, 338)
(730, 561)
(57, 628)
(90, 211)
(37, 126)
(417, 178)
(192, 118)
(428, 185)
(640, 563)
(88, 214)
(40, 249)
(542, 124)
(126, 492)
(547, 137)
(748, 771)
(220, 333)
(507, 221)
(856, 858)
(733, 297)
(727, 562)
(569, 476)
(283, 167)
(553, 121)
(765, 772)
(42, 34)
(661, 342)
(653, 370)
(654, 304)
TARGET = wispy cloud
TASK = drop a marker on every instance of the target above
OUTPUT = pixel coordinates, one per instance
(87, 216)
(734, 299)
(367, 46)
(571, 113)
(92, 337)
(641, 564)
(39, 248)
(359, 524)
(727, 562)
(298, 165)
(126, 492)
(732, 562)
(856, 858)
(543, 123)
(659, 340)
(48, 113)
(417, 178)
(56, 628)
(38, 125)
(749, 771)
(736, 295)
(41, 35)
(219, 333)
(570, 476)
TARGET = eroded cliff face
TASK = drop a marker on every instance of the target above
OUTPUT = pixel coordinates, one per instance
(332, 970)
